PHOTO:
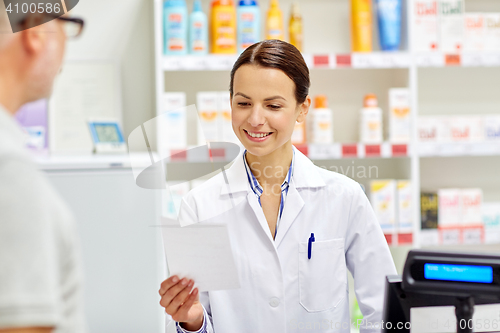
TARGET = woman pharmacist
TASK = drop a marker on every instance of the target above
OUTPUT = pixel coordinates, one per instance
(282, 198)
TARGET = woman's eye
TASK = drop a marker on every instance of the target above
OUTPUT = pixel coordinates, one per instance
(242, 104)
(275, 107)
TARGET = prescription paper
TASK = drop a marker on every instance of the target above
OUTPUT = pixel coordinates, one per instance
(202, 253)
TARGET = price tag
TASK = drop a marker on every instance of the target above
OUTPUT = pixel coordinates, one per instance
(450, 236)
(360, 60)
(386, 60)
(324, 151)
(195, 63)
(172, 63)
(372, 150)
(321, 60)
(178, 155)
(343, 60)
(492, 59)
(218, 62)
(349, 151)
(405, 239)
(401, 60)
(453, 59)
(452, 149)
(472, 235)
(482, 148)
(429, 237)
(472, 60)
(376, 60)
(430, 60)
(399, 150)
(217, 153)
(426, 149)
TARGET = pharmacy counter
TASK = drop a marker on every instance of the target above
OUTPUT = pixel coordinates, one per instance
(121, 245)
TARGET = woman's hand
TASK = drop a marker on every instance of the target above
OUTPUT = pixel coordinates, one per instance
(183, 306)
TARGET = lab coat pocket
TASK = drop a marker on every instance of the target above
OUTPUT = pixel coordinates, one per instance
(322, 279)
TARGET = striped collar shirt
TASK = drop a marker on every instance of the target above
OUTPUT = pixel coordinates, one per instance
(258, 190)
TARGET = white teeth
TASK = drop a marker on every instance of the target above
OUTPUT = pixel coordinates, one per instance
(258, 135)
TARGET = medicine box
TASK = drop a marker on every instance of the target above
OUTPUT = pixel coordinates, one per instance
(429, 235)
(449, 208)
(451, 25)
(433, 129)
(225, 121)
(491, 220)
(475, 32)
(172, 123)
(471, 216)
(382, 197)
(491, 128)
(466, 128)
(425, 27)
(399, 115)
(208, 117)
(492, 23)
(404, 207)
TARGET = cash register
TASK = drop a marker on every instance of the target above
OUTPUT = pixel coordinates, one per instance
(441, 279)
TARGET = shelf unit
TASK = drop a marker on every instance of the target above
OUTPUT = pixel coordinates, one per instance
(345, 60)
(345, 77)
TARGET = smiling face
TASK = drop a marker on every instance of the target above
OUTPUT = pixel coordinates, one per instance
(264, 109)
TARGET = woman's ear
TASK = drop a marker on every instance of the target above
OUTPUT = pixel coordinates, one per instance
(304, 109)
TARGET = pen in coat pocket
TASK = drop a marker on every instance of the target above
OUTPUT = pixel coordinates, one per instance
(309, 246)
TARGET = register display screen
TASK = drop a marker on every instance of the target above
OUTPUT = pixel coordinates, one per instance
(107, 133)
(462, 273)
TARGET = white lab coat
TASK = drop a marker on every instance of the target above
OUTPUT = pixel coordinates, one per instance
(281, 289)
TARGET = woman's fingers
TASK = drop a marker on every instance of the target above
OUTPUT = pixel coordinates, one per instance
(183, 310)
(171, 292)
(179, 295)
(168, 283)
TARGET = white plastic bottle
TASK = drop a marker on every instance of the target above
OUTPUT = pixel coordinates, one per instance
(370, 125)
(175, 27)
(198, 30)
(248, 24)
(320, 122)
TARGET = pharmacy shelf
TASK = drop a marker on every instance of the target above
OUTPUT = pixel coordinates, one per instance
(355, 150)
(421, 73)
(456, 149)
(316, 152)
(355, 60)
(314, 61)
(465, 59)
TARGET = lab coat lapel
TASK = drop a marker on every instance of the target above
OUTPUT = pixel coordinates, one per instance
(259, 214)
(293, 206)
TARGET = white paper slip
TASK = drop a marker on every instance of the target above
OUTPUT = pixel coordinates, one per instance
(202, 253)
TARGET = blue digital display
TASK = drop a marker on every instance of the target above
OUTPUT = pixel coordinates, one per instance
(106, 132)
(462, 273)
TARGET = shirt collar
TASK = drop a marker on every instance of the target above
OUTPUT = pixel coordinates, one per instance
(9, 126)
(254, 183)
(305, 174)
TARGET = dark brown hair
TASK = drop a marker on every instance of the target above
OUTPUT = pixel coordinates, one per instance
(280, 55)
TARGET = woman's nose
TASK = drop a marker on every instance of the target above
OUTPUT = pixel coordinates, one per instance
(256, 117)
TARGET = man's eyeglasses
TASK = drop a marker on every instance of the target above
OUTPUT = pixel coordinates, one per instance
(73, 27)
